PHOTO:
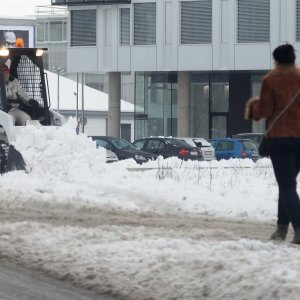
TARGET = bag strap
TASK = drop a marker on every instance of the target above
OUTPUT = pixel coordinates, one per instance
(283, 111)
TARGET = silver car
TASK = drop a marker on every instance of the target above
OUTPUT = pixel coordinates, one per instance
(207, 150)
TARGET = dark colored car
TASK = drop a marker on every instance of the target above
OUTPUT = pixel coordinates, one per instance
(123, 149)
(169, 147)
(255, 136)
(226, 148)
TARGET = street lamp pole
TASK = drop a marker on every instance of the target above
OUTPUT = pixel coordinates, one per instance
(58, 70)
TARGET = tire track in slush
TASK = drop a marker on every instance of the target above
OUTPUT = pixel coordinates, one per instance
(67, 216)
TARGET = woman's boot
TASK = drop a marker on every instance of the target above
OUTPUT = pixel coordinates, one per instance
(281, 232)
(296, 239)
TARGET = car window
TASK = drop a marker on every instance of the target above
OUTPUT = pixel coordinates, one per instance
(152, 145)
(198, 144)
(213, 143)
(101, 143)
(230, 145)
(249, 145)
(222, 145)
(161, 146)
(201, 143)
(225, 145)
(123, 144)
(189, 142)
(176, 142)
(140, 143)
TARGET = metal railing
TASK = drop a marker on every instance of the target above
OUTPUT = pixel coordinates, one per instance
(50, 10)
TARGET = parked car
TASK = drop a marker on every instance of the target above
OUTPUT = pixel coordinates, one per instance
(255, 136)
(226, 148)
(169, 147)
(110, 156)
(123, 149)
(206, 149)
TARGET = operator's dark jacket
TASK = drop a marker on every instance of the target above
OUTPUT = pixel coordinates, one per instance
(278, 88)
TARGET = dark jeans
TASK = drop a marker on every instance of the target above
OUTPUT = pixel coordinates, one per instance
(33, 110)
(285, 156)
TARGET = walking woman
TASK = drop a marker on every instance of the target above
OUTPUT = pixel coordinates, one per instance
(281, 87)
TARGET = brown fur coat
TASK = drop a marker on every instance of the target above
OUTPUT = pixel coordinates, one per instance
(278, 88)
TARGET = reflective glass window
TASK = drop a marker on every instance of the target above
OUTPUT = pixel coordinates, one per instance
(256, 81)
(219, 93)
(200, 105)
(56, 31)
(219, 126)
(40, 32)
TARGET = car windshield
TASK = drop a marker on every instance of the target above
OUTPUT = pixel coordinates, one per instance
(201, 143)
(123, 144)
(257, 137)
(176, 142)
(249, 145)
(100, 143)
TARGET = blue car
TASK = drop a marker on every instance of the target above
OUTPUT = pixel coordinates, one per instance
(226, 148)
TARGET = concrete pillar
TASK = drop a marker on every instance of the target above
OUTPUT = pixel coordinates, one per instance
(114, 104)
(184, 93)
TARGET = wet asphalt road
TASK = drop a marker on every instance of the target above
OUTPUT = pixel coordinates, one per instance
(19, 283)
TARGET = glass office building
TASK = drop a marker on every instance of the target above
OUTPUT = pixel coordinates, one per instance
(216, 105)
(194, 63)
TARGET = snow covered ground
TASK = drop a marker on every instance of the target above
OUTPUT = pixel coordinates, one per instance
(172, 230)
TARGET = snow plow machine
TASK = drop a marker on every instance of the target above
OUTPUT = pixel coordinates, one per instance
(26, 65)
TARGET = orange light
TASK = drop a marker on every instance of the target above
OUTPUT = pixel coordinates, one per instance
(19, 43)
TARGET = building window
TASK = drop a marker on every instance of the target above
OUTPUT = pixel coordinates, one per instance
(40, 32)
(125, 26)
(253, 21)
(56, 31)
(298, 21)
(145, 23)
(218, 126)
(95, 81)
(196, 22)
(219, 93)
(65, 31)
(219, 104)
(200, 105)
(256, 81)
(107, 27)
(83, 27)
(51, 31)
(156, 104)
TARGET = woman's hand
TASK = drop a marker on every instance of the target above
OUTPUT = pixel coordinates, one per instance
(249, 105)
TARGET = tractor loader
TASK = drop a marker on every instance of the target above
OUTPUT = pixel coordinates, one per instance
(26, 65)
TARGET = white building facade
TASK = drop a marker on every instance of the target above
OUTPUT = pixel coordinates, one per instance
(195, 62)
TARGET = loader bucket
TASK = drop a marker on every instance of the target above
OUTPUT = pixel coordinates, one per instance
(3, 156)
(15, 160)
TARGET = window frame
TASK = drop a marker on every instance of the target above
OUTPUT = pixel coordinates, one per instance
(237, 26)
(91, 7)
(133, 23)
(180, 24)
(297, 21)
(130, 24)
(61, 23)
